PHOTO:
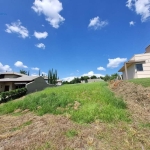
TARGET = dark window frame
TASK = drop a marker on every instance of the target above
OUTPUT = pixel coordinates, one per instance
(139, 67)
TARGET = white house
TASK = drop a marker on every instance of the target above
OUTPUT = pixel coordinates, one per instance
(137, 67)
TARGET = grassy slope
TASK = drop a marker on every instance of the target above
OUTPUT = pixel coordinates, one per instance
(83, 103)
(143, 81)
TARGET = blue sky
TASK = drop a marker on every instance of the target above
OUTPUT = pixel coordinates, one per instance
(76, 37)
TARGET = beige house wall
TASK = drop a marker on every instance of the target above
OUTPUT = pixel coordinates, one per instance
(37, 85)
(131, 72)
(146, 70)
(137, 57)
(3, 84)
(2, 87)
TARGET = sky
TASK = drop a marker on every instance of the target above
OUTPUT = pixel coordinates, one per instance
(75, 37)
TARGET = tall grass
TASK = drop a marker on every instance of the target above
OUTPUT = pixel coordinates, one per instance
(95, 101)
(141, 81)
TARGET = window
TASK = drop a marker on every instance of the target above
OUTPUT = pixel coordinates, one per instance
(139, 67)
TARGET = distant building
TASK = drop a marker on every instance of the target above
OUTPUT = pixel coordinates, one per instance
(91, 80)
(137, 67)
(58, 82)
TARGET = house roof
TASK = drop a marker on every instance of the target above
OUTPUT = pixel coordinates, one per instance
(22, 78)
(129, 63)
(12, 73)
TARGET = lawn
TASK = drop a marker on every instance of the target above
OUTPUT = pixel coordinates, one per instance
(83, 103)
(142, 81)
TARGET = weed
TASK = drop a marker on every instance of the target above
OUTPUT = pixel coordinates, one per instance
(84, 103)
(71, 133)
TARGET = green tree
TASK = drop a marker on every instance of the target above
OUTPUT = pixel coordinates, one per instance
(39, 73)
(23, 72)
(106, 78)
(52, 76)
(93, 77)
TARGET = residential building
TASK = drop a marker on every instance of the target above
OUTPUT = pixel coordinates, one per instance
(11, 81)
(137, 67)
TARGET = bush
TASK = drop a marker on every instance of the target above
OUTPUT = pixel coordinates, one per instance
(10, 95)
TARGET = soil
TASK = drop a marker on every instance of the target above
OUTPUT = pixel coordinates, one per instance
(137, 98)
(25, 130)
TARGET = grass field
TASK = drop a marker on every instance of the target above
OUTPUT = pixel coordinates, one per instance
(83, 103)
(143, 81)
(80, 116)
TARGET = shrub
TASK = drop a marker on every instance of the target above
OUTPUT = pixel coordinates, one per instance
(10, 95)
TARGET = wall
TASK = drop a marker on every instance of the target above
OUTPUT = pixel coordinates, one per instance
(11, 76)
(3, 84)
(94, 80)
(146, 70)
(148, 49)
(2, 87)
(37, 85)
(131, 72)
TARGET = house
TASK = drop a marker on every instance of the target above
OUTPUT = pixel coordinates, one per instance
(137, 67)
(59, 82)
(11, 81)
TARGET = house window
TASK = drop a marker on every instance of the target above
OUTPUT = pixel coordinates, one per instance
(139, 67)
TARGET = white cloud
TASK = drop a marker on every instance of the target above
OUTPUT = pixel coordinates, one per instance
(44, 73)
(141, 7)
(114, 63)
(132, 23)
(91, 73)
(51, 10)
(16, 27)
(37, 69)
(96, 23)
(34, 74)
(4, 68)
(40, 35)
(40, 45)
(101, 68)
(20, 64)
(43, 25)
(129, 4)
(68, 79)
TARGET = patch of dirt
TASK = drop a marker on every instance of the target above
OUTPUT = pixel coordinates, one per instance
(49, 132)
(137, 98)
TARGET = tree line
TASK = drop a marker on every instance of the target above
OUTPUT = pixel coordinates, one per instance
(85, 78)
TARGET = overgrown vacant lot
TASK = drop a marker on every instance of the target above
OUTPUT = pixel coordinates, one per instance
(72, 117)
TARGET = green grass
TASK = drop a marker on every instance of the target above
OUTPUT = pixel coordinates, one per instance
(71, 133)
(142, 81)
(96, 102)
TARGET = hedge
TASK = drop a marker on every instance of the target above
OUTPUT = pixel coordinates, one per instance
(13, 94)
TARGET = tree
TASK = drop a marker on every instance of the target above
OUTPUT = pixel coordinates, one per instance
(93, 77)
(52, 76)
(39, 73)
(114, 76)
(23, 72)
(106, 78)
